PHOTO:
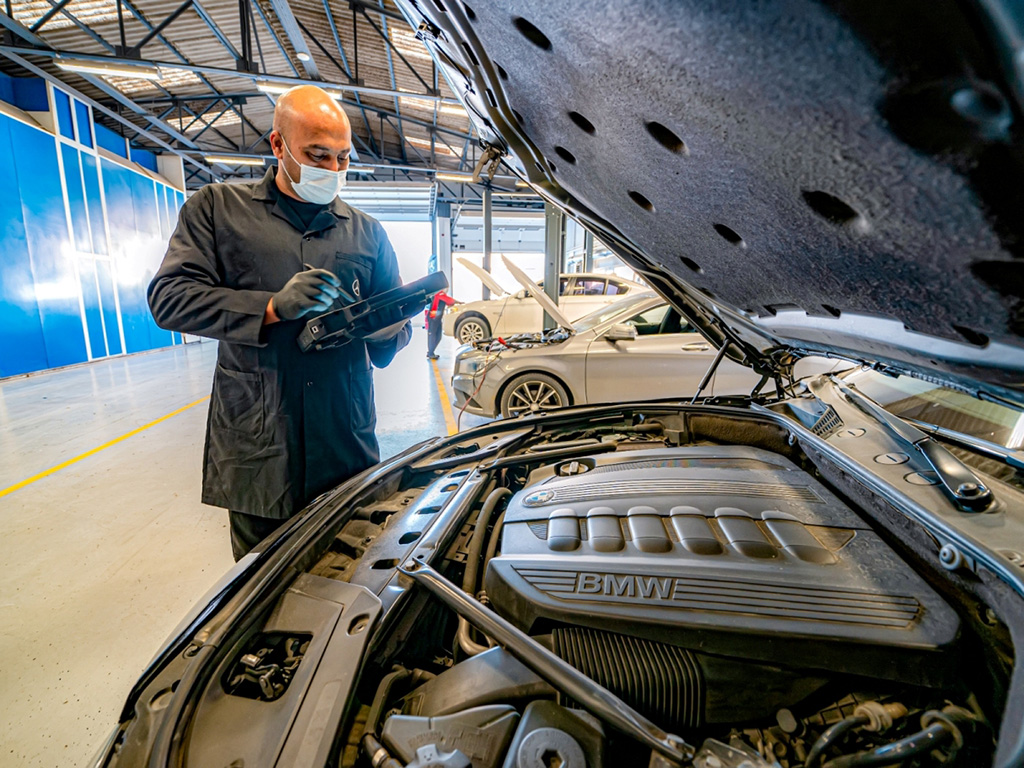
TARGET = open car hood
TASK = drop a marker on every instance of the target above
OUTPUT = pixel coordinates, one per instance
(538, 293)
(484, 277)
(795, 177)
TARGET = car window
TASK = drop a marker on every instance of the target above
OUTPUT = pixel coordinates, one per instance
(659, 320)
(615, 288)
(621, 308)
(563, 285)
(588, 286)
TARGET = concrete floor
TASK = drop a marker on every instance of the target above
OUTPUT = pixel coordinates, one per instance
(103, 557)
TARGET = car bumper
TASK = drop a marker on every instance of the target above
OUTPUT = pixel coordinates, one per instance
(468, 399)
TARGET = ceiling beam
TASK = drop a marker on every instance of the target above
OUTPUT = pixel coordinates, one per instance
(294, 35)
(44, 50)
(30, 67)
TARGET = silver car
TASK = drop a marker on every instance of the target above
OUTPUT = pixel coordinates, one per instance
(636, 348)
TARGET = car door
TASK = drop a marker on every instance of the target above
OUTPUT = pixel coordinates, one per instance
(666, 359)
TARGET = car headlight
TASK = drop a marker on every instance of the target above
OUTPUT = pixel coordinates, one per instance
(472, 365)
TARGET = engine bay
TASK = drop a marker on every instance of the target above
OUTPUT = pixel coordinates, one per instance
(721, 591)
(664, 586)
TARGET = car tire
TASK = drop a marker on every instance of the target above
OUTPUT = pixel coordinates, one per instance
(530, 392)
(472, 328)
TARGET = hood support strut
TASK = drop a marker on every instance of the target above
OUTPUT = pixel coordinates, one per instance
(668, 750)
(710, 371)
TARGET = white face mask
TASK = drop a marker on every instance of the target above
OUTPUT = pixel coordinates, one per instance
(315, 185)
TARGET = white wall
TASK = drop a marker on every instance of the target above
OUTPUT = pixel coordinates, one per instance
(466, 287)
(411, 241)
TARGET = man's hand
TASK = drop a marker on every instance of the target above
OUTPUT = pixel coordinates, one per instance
(311, 291)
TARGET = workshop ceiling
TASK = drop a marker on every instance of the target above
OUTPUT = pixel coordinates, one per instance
(211, 93)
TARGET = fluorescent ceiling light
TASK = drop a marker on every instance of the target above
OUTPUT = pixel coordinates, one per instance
(465, 178)
(170, 78)
(276, 89)
(361, 169)
(233, 160)
(104, 68)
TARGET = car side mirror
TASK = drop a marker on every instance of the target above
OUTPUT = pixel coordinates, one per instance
(620, 332)
(520, 294)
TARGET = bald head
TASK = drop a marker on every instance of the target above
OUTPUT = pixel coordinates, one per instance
(310, 128)
(311, 107)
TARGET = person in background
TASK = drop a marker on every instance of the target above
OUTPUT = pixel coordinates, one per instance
(248, 265)
(435, 317)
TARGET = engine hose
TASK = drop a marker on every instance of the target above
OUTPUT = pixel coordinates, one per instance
(378, 756)
(492, 542)
(380, 699)
(898, 751)
(469, 579)
(937, 728)
(830, 736)
(476, 543)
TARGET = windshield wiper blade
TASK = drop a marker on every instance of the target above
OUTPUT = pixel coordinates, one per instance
(966, 489)
(992, 450)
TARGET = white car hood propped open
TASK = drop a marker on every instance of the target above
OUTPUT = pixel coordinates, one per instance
(484, 277)
(542, 298)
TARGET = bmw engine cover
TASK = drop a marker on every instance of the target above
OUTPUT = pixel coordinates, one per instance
(725, 550)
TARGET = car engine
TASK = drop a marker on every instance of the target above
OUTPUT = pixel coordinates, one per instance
(721, 591)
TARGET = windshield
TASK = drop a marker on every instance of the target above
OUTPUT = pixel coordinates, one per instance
(604, 314)
(912, 398)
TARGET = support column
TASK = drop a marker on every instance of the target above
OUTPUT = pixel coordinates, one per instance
(487, 239)
(554, 254)
(588, 251)
(443, 240)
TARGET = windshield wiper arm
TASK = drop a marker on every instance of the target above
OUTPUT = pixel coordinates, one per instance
(966, 489)
(988, 448)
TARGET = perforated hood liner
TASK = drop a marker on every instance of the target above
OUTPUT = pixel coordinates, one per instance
(807, 166)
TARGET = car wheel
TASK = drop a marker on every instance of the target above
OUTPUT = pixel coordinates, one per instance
(532, 392)
(472, 328)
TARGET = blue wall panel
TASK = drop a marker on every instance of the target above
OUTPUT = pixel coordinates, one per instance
(135, 228)
(91, 301)
(117, 185)
(21, 343)
(145, 158)
(83, 114)
(76, 198)
(94, 202)
(56, 299)
(110, 140)
(62, 105)
(106, 287)
(161, 201)
(42, 203)
(30, 94)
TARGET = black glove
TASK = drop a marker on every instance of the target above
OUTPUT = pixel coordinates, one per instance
(311, 291)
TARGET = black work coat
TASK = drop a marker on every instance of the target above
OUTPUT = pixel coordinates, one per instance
(283, 426)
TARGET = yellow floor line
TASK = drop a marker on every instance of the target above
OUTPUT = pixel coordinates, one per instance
(446, 404)
(87, 454)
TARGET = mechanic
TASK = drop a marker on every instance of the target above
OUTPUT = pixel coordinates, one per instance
(248, 265)
(435, 321)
